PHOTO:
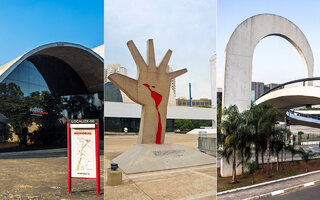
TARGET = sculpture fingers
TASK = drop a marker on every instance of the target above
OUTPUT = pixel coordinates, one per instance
(174, 74)
(128, 85)
(138, 59)
(165, 60)
(151, 61)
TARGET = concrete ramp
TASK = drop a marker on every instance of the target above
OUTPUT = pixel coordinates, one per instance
(304, 121)
(155, 157)
(292, 97)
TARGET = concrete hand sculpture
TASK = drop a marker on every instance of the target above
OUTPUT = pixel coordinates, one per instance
(151, 90)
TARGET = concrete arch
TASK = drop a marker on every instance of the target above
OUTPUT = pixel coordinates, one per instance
(240, 49)
(67, 68)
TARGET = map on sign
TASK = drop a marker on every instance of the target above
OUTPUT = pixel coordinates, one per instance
(83, 159)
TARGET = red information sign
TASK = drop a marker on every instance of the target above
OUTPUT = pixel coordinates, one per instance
(83, 151)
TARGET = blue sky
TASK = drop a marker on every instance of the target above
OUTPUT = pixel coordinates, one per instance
(187, 27)
(27, 24)
(275, 59)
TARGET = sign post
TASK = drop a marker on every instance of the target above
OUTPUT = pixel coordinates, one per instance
(83, 151)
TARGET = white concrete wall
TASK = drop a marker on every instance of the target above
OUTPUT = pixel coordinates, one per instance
(133, 110)
(213, 90)
(240, 49)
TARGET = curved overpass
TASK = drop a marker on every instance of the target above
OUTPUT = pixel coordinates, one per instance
(288, 98)
(303, 120)
(291, 97)
(67, 68)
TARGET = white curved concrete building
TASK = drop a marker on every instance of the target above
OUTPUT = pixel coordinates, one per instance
(66, 68)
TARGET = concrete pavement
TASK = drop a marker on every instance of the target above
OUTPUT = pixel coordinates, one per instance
(185, 183)
(42, 174)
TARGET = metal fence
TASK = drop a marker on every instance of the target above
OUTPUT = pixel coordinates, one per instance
(207, 144)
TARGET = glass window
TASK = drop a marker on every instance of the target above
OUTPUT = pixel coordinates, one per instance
(28, 78)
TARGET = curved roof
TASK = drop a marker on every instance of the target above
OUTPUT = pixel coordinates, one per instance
(67, 68)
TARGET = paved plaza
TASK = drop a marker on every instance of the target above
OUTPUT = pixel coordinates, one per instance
(42, 175)
(186, 183)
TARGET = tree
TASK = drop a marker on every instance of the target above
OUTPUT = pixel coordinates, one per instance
(251, 166)
(15, 107)
(245, 139)
(255, 114)
(48, 132)
(292, 150)
(266, 126)
(306, 156)
(230, 126)
(220, 136)
(183, 124)
(278, 141)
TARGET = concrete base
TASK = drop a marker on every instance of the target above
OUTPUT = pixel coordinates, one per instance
(114, 177)
(153, 157)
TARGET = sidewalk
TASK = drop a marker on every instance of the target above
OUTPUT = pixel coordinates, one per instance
(58, 152)
(269, 188)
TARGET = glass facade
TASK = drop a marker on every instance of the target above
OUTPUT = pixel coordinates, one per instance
(19, 123)
(112, 93)
(28, 78)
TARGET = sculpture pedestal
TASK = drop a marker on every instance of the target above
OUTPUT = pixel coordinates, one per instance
(154, 157)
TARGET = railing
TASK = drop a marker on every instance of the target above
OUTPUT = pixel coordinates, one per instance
(303, 80)
(207, 143)
(312, 116)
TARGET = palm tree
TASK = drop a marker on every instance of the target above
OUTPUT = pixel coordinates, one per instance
(220, 136)
(266, 126)
(277, 142)
(262, 147)
(306, 156)
(230, 125)
(245, 139)
(251, 166)
(292, 150)
(255, 113)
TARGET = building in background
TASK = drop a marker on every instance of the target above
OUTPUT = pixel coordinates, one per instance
(270, 86)
(114, 68)
(182, 101)
(61, 71)
(259, 88)
(173, 82)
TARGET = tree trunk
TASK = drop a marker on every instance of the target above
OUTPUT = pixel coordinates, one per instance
(268, 157)
(234, 173)
(285, 154)
(257, 157)
(306, 166)
(242, 161)
(262, 160)
(277, 161)
(252, 178)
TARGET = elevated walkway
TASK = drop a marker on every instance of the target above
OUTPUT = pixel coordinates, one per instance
(286, 98)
